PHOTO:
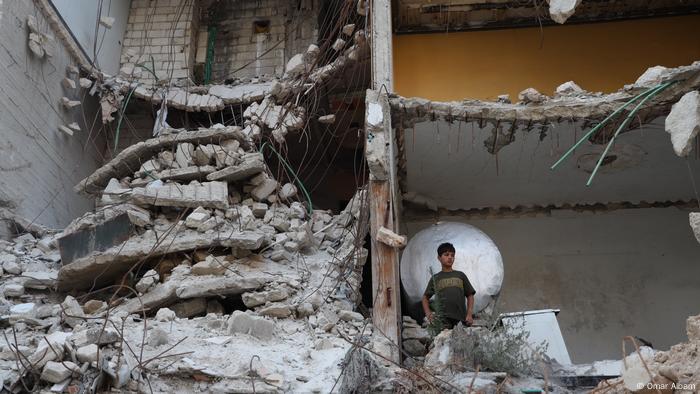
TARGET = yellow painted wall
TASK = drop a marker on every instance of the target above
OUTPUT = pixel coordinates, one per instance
(483, 64)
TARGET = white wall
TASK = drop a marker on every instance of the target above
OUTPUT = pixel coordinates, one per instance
(39, 165)
(626, 272)
(81, 18)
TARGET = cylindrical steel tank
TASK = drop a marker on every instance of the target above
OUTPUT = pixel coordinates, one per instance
(476, 255)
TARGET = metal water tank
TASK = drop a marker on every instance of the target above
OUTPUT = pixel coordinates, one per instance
(476, 255)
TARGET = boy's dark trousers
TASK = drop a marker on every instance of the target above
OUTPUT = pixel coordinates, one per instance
(451, 323)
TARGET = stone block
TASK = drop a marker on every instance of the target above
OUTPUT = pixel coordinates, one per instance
(212, 265)
(277, 310)
(149, 279)
(288, 191)
(190, 308)
(72, 312)
(259, 209)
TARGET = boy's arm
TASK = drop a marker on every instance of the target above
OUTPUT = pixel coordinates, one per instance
(470, 309)
(426, 308)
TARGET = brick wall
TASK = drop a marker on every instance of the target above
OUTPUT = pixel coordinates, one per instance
(292, 27)
(162, 30)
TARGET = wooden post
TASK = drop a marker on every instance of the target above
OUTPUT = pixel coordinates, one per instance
(386, 290)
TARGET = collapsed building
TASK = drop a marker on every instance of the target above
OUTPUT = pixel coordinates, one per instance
(217, 194)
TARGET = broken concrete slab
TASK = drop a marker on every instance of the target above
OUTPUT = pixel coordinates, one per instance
(244, 93)
(101, 268)
(99, 237)
(207, 194)
(130, 159)
(683, 123)
(277, 310)
(252, 164)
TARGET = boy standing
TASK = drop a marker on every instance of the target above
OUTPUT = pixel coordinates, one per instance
(452, 287)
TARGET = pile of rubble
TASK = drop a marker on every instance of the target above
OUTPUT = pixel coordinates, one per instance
(674, 371)
(198, 271)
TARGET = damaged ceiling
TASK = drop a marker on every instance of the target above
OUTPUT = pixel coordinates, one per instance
(414, 16)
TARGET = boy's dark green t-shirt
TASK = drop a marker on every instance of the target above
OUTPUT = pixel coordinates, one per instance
(452, 288)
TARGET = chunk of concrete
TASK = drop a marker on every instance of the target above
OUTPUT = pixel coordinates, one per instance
(190, 308)
(568, 88)
(85, 83)
(652, 76)
(140, 218)
(252, 164)
(338, 45)
(350, 316)
(280, 311)
(349, 29)
(259, 209)
(197, 217)
(183, 154)
(13, 290)
(531, 95)
(107, 21)
(165, 315)
(45, 353)
(71, 311)
(68, 103)
(288, 191)
(327, 119)
(683, 123)
(57, 372)
(390, 238)
(9, 264)
(245, 323)
(262, 191)
(561, 10)
(68, 83)
(204, 154)
(206, 194)
(149, 279)
(257, 298)
(296, 65)
(212, 265)
(695, 224)
(93, 306)
(87, 353)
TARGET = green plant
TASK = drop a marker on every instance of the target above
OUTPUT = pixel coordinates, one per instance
(498, 349)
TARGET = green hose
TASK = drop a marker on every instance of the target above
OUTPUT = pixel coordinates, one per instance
(296, 178)
(210, 54)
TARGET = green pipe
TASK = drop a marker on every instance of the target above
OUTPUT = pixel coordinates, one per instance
(210, 54)
(296, 178)
(601, 124)
(121, 116)
(624, 124)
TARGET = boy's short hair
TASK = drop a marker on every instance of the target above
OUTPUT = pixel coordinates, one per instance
(445, 247)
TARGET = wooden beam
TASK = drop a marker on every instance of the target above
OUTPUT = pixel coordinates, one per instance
(386, 313)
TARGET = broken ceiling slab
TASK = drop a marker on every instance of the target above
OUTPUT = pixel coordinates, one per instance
(197, 98)
(129, 160)
(207, 194)
(103, 267)
(190, 173)
(580, 107)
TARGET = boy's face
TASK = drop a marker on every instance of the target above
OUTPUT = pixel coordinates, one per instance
(447, 259)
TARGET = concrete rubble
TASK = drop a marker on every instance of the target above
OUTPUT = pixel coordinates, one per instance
(683, 123)
(238, 272)
(561, 10)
